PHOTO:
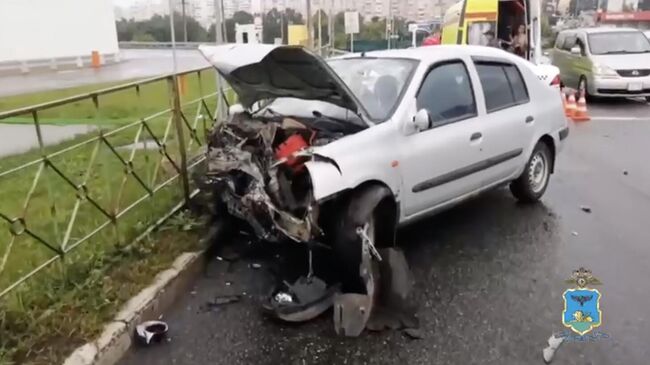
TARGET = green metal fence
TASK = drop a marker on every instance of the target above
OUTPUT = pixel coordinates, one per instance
(73, 200)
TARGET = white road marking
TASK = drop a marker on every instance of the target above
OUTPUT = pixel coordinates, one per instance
(619, 118)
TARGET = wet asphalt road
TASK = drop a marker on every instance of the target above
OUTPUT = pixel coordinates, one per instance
(135, 64)
(489, 275)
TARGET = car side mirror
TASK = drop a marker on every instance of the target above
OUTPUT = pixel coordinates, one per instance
(576, 50)
(422, 120)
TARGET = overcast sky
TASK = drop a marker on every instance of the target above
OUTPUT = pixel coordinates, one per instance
(126, 2)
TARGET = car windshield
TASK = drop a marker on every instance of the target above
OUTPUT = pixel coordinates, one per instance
(378, 83)
(618, 42)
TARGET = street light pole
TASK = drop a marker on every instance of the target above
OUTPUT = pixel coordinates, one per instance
(184, 21)
(320, 36)
(219, 38)
(310, 38)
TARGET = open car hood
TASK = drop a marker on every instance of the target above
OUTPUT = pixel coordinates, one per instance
(262, 71)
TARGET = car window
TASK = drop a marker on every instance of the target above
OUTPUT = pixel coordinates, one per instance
(446, 93)
(618, 43)
(517, 84)
(377, 82)
(503, 85)
(580, 43)
(569, 42)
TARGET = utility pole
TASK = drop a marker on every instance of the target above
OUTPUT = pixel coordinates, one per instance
(441, 12)
(310, 30)
(320, 35)
(184, 21)
(220, 113)
(330, 26)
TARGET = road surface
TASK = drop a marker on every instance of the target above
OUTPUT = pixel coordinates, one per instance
(136, 63)
(489, 274)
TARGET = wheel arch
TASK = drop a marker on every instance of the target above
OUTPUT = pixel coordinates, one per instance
(370, 196)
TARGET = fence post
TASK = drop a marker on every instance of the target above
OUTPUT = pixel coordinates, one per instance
(175, 102)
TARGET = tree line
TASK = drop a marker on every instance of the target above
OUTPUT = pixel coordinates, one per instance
(274, 23)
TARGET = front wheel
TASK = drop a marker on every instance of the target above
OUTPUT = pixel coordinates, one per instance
(531, 184)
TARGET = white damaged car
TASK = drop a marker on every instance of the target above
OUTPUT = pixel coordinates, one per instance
(342, 152)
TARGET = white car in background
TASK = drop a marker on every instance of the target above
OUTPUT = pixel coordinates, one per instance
(351, 148)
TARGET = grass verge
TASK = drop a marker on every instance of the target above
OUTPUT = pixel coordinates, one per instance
(80, 198)
(114, 109)
(45, 329)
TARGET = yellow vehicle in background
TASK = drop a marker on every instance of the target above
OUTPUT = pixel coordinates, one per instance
(468, 21)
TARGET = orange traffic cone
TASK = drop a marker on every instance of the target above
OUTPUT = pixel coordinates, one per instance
(581, 114)
(570, 107)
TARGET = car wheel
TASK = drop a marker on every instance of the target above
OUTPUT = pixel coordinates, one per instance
(358, 217)
(647, 99)
(531, 184)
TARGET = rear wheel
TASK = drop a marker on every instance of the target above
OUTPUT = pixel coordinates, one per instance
(531, 184)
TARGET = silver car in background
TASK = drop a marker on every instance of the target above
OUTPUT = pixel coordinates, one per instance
(604, 62)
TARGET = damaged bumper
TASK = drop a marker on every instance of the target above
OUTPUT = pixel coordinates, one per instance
(261, 178)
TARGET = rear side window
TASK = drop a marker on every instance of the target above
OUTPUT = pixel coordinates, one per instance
(569, 42)
(502, 84)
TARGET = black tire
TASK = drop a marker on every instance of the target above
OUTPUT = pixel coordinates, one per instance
(529, 186)
(647, 99)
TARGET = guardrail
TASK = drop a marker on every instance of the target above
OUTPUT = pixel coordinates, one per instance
(110, 187)
(160, 45)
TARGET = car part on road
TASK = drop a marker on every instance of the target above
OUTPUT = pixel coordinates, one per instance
(151, 331)
(394, 306)
(532, 183)
(304, 300)
(223, 300)
(352, 310)
(553, 344)
(585, 209)
(413, 333)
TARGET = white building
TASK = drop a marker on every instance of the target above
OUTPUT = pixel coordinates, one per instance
(54, 30)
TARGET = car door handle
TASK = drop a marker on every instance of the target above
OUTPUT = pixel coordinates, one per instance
(475, 136)
(529, 119)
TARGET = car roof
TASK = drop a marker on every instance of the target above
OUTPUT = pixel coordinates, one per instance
(433, 53)
(594, 30)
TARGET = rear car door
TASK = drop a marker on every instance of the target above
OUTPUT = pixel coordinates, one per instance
(508, 126)
(434, 161)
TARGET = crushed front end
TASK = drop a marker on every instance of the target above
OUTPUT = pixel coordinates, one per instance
(255, 167)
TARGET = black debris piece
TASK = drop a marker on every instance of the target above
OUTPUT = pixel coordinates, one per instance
(305, 299)
(413, 333)
(224, 299)
(151, 331)
(585, 209)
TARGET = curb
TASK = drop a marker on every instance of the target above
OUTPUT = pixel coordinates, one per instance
(148, 304)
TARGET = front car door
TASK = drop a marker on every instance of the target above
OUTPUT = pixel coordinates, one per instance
(434, 161)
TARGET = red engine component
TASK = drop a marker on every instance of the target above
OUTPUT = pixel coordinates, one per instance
(293, 144)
